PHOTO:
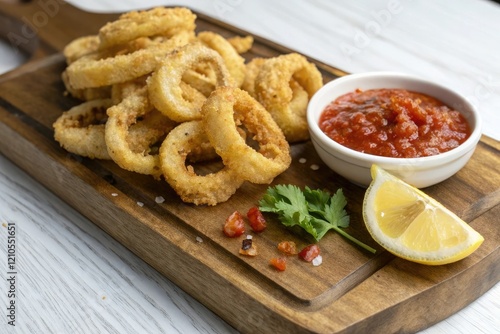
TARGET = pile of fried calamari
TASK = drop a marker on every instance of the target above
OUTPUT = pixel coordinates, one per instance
(159, 97)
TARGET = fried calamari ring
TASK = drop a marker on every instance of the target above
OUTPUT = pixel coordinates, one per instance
(131, 156)
(224, 111)
(85, 94)
(234, 62)
(241, 44)
(158, 21)
(80, 130)
(146, 135)
(102, 69)
(201, 77)
(253, 69)
(165, 88)
(273, 90)
(80, 47)
(212, 188)
(121, 90)
(300, 98)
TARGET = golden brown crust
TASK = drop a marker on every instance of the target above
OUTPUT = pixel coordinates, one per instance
(166, 90)
(121, 119)
(101, 69)
(233, 61)
(273, 90)
(158, 21)
(80, 130)
(224, 111)
(210, 189)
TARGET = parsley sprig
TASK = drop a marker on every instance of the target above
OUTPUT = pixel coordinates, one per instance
(316, 211)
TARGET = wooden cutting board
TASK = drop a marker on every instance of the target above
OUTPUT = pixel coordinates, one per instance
(352, 291)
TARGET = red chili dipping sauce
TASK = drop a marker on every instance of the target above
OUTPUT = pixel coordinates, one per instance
(394, 123)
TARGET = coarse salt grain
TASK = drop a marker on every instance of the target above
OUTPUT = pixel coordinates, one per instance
(159, 199)
(302, 160)
(249, 236)
(140, 204)
(114, 194)
(318, 260)
(199, 239)
(314, 167)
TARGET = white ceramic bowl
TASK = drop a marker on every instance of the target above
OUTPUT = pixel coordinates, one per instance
(355, 166)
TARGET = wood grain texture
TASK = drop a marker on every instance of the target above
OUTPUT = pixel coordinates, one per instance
(165, 235)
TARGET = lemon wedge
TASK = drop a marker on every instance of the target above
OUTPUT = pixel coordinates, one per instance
(410, 224)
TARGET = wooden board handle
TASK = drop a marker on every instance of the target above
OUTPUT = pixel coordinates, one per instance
(41, 28)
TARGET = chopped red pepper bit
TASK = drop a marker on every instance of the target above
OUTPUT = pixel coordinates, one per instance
(234, 225)
(287, 247)
(309, 253)
(279, 263)
(256, 219)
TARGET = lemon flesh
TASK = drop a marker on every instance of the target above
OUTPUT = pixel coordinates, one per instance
(410, 224)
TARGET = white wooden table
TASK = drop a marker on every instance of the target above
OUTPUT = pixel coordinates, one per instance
(73, 278)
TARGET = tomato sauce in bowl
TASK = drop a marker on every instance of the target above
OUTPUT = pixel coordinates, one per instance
(394, 123)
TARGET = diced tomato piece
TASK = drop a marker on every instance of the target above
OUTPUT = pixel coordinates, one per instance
(234, 225)
(287, 247)
(279, 263)
(257, 220)
(309, 253)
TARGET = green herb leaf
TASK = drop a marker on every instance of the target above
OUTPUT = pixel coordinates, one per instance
(316, 211)
(335, 212)
(317, 200)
